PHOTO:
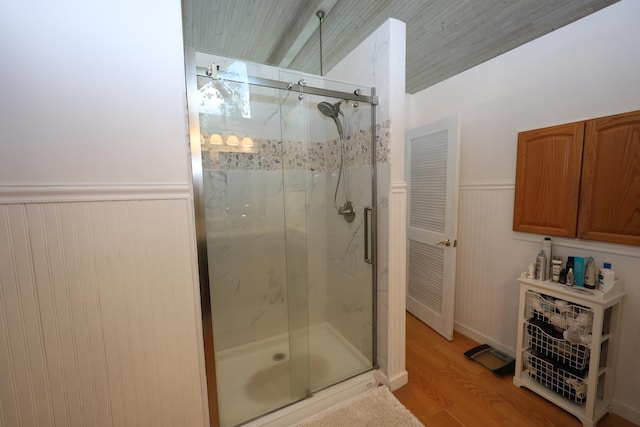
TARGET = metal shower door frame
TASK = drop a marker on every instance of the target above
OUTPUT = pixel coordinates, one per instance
(199, 210)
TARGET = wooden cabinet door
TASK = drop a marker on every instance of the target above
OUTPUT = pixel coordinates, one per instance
(548, 180)
(610, 194)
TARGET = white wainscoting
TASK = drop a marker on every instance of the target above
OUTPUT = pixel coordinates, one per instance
(490, 259)
(396, 373)
(488, 263)
(99, 314)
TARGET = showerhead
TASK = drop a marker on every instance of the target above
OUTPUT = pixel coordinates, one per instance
(329, 110)
(332, 111)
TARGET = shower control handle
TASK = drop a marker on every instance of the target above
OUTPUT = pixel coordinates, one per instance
(367, 256)
(348, 211)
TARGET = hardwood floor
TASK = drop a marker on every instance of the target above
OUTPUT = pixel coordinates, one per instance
(447, 389)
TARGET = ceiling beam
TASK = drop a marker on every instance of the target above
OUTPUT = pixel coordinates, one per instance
(299, 33)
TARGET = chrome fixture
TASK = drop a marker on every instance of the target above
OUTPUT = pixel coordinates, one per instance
(332, 111)
(347, 209)
(320, 15)
(212, 71)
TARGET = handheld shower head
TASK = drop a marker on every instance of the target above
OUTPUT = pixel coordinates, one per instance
(347, 209)
(328, 109)
(332, 111)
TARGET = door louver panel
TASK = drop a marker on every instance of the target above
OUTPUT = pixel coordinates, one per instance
(426, 266)
(428, 182)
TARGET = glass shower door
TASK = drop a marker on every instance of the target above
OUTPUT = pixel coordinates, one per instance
(295, 188)
(286, 196)
(335, 163)
(256, 252)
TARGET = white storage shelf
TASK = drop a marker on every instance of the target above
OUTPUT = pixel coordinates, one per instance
(567, 339)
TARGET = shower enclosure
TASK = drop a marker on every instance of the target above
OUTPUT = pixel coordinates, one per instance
(284, 172)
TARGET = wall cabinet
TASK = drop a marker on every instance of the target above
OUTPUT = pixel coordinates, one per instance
(581, 180)
(566, 347)
(548, 180)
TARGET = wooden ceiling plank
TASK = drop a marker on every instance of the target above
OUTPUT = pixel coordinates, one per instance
(298, 32)
(444, 37)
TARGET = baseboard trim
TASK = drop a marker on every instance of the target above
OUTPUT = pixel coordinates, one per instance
(10, 194)
(625, 411)
(396, 382)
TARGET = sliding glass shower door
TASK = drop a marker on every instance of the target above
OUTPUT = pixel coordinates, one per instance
(286, 224)
(338, 170)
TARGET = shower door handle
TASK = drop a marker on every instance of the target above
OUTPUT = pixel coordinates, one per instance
(367, 256)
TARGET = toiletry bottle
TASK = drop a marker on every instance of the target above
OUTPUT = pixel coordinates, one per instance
(546, 248)
(578, 271)
(563, 277)
(531, 271)
(590, 274)
(606, 277)
(556, 268)
(570, 277)
(569, 263)
(541, 265)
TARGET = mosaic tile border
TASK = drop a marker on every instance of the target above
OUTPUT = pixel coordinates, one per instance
(272, 154)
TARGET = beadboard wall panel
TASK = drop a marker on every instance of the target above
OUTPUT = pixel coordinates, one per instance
(490, 259)
(488, 264)
(98, 315)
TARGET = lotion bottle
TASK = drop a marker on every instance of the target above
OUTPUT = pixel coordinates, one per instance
(606, 277)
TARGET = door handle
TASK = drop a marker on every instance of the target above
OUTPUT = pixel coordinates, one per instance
(367, 257)
(445, 242)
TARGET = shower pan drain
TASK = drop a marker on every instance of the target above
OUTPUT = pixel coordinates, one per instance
(279, 356)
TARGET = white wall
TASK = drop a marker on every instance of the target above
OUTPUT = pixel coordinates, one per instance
(380, 61)
(85, 86)
(99, 307)
(588, 69)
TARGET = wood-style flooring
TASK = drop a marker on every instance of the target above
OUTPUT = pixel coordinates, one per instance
(447, 389)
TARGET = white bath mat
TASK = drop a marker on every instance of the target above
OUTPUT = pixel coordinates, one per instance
(375, 408)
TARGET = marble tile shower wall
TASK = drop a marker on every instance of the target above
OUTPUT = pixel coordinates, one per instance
(273, 154)
(245, 205)
(247, 296)
(348, 288)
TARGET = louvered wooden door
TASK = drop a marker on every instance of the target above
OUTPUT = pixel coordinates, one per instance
(432, 177)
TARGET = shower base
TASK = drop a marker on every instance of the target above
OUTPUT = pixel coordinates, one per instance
(253, 379)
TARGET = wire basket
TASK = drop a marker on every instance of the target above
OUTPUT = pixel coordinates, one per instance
(565, 383)
(559, 313)
(558, 349)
